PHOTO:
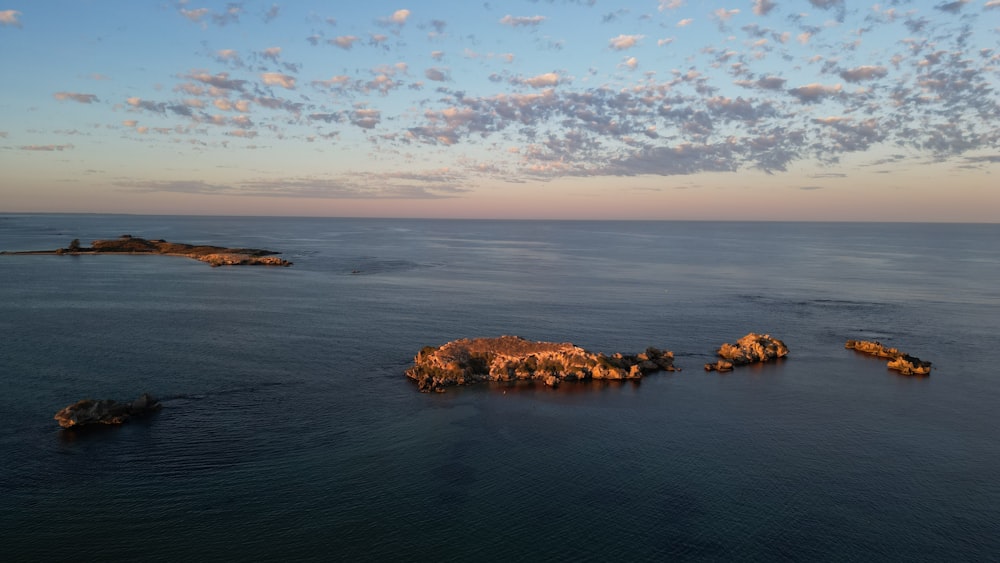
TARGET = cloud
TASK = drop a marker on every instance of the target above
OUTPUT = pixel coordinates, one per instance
(76, 97)
(220, 80)
(837, 5)
(272, 13)
(952, 7)
(546, 80)
(45, 148)
(685, 22)
(366, 118)
(271, 53)
(230, 15)
(623, 42)
(194, 15)
(861, 73)
(814, 92)
(763, 7)
(670, 4)
(522, 21)
(10, 17)
(278, 79)
(631, 63)
(992, 4)
(437, 74)
(344, 41)
(399, 17)
(724, 15)
(810, 188)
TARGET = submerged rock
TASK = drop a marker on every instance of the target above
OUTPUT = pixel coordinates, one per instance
(899, 361)
(750, 349)
(104, 411)
(512, 358)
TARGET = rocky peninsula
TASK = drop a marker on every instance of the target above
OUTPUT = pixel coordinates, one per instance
(128, 244)
(104, 411)
(512, 358)
(752, 348)
(899, 361)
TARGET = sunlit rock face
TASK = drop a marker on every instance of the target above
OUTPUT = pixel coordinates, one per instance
(512, 358)
(898, 360)
(104, 411)
(752, 348)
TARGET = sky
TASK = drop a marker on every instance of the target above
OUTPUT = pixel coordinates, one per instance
(804, 110)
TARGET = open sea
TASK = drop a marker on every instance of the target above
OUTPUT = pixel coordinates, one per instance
(289, 431)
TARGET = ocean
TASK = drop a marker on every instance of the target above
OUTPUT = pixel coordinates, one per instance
(289, 431)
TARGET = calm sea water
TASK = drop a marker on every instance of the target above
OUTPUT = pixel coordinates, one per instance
(290, 433)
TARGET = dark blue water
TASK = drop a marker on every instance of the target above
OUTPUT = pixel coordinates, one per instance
(290, 432)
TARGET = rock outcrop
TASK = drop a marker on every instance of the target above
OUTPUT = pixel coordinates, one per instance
(104, 411)
(512, 358)
(899, 361)
(213, 255)
(750, 349)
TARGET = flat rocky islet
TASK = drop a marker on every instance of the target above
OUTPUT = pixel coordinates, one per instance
(128, 244)
(898, 360)
(105, 411)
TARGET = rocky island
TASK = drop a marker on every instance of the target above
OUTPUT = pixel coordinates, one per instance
(104, 411)
(899, 361)
(512, 358)
(750, 349)
(127, 244)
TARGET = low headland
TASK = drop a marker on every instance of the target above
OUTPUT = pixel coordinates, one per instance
(899, 361)
(128, 244)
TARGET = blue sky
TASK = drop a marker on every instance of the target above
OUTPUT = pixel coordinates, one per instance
(655, 109)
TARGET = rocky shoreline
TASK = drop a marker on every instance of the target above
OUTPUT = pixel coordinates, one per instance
(127, 244)
(898, 361)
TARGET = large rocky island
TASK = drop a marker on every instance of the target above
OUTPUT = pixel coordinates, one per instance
(128, 244)
(512, 358)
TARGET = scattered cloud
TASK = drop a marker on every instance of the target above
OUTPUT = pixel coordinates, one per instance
(623, 42)
(685, 22)
(344, 41)
(862, 73)
(815, 92)
(546, 80)
(437, 74)
(399, 17)
(522, 21)
(763, 7)
(76, 97)
(278, 79)
(11, 18)
(952, 7)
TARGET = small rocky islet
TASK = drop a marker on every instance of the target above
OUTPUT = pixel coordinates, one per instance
(128, 244)
(898, 360)
(105, 411)
(751, 349)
